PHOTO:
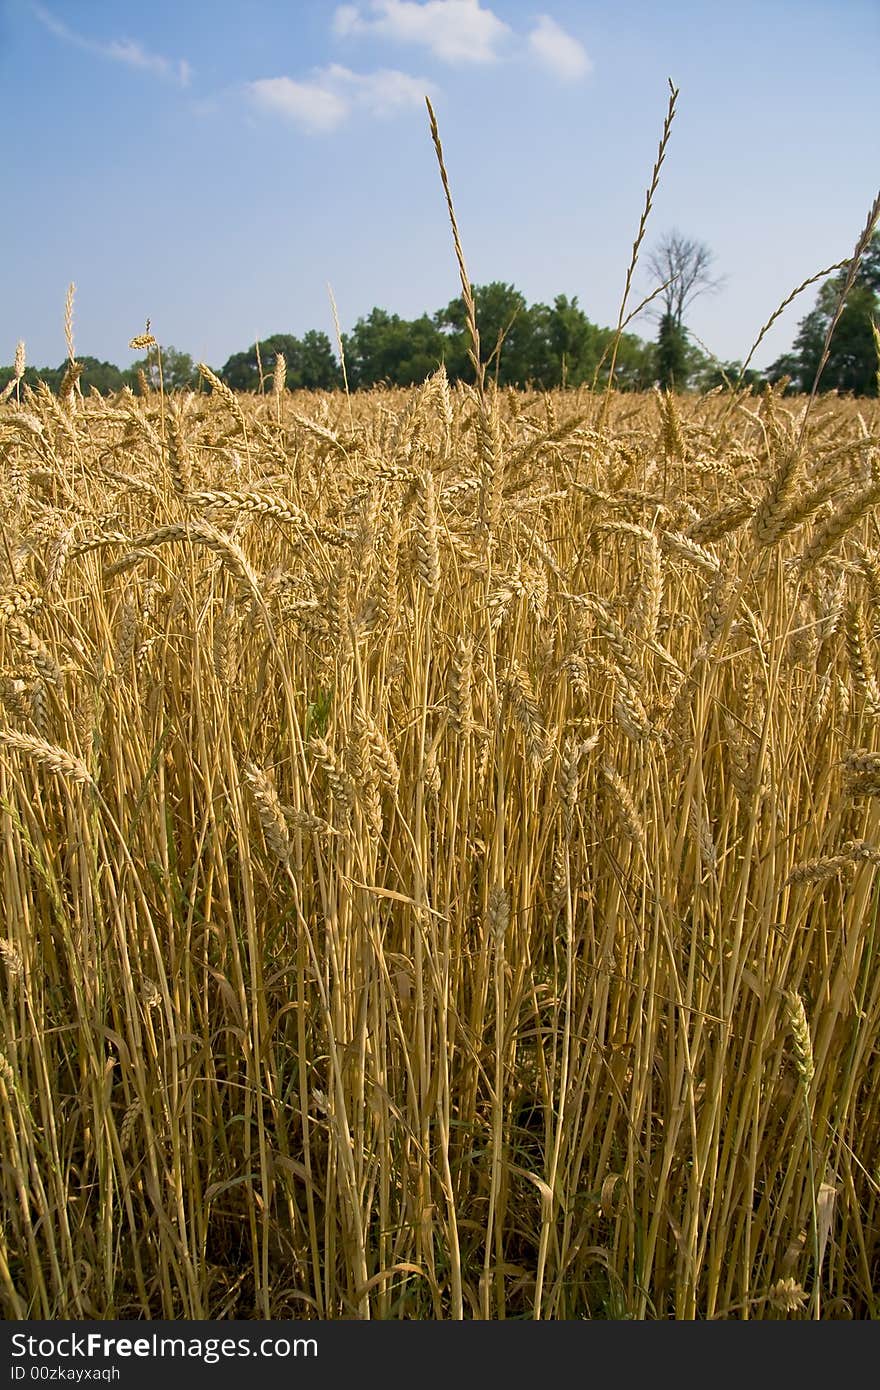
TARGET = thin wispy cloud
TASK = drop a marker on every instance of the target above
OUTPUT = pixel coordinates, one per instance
(455, 31)
(558, 51)
(127, 51)
(331, 95)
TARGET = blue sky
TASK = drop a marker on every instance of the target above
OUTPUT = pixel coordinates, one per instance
(214, 165)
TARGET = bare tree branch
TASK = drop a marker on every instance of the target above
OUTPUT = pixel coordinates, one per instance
(683, 266)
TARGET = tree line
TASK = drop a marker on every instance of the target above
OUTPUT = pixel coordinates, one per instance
(522, 344)
(854, 349)
(538, 345)
(178, 371)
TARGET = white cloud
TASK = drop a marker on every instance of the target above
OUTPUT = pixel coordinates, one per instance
(347, 20)
(326, 99)
(127, 51)
(308, 104)
(565, 56)
(456, 31)
(383, 92)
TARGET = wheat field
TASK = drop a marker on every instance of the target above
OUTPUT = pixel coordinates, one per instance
(439, 855)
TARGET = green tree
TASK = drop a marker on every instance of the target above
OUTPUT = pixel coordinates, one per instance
(576, 345)
(509, 335)
(852, 356)
(315, 367)
(241, 371)
(635, 367)
(310, 362)
(102, 376)
(540, 345)
(34, 375)
(672, 354)
(178, 370)
(384, 347)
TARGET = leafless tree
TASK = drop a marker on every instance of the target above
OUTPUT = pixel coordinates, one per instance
(683, 267)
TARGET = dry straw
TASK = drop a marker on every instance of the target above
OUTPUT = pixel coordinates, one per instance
(421, 1006)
